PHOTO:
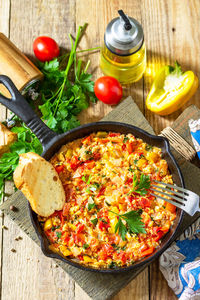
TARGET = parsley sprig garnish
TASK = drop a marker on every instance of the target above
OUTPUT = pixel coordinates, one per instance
(141, 186)
(133, 221)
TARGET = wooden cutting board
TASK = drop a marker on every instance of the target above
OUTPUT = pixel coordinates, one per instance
(104, 286)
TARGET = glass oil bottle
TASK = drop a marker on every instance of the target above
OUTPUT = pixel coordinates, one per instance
(123, 54)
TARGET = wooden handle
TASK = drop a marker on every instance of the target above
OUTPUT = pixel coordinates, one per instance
(16, 66)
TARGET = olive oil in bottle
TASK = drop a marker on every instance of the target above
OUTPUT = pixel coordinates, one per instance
(123, 54)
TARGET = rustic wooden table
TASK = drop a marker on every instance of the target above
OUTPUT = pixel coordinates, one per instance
(172, 33)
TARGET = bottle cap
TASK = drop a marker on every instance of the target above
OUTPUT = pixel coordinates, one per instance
(124, 35)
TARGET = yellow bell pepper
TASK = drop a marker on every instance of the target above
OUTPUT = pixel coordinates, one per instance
(171, 89)
(48, 224)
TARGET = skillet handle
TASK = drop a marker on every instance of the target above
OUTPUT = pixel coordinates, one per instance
(18, 105)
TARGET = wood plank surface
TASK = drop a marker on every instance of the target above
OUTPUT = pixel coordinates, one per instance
(43, 279)
(171, 33)
(4, 28)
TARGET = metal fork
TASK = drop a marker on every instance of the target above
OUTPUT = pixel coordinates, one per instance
(180, 197)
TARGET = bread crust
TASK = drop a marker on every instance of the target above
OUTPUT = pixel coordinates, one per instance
(7, 138)
(39, 182)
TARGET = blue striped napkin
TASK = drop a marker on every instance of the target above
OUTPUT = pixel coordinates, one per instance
(195, 133)
(180, 264)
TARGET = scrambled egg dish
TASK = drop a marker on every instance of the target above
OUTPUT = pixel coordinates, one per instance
(110, 219)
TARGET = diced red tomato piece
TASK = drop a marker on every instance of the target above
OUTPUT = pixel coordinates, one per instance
(170, 207)
(145, 202)
(78, 238)
(102, 255)
(130, 147)
(74, 163)
(59, 214)
(66, 209)
(140, 153)
(101, 192)
(112, 134)
(80, 228)
(96, 156)
(103, 225)
(131, 198)
(159, 235)
(143, 247)
(123, 147)
(80, 257)
(156, 229)
(66, 237)
(59, 169)
(48, 232)
(129, 180)
(86, 140)
(123, 257)
(108, 249)
(147, 252)
(89, 164)
(103, 141)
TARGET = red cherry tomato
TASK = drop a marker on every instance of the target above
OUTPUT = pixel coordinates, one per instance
(108, 90)
(45, 48)
(59, 169)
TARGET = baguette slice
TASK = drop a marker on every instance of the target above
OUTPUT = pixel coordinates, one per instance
(39, 182)
(7, 137)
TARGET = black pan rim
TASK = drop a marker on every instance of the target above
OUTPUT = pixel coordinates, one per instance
(144, 261)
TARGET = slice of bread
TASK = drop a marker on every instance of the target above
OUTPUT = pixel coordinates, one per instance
(39, 182)
(7, 137)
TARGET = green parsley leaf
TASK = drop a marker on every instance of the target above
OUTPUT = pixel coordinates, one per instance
(148, 147)
(91, 206)
(121, 229)
(83, 178)
(133, 222)
(88, 182)
(58, 234)
(88, 152)
(112, 265)
(94, 221)
(104, 221)
(133, 219)
(130, 169)
(85, 246)
(141, 186)
(125, 139)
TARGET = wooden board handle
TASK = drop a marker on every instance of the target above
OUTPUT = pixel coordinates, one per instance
(16, 66)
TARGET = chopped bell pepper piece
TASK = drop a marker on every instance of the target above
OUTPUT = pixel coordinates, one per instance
(147, 252)
(171, 89)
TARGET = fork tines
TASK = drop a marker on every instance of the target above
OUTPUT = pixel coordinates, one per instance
(178, 194)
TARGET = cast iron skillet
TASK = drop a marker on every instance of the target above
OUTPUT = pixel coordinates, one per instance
(52, 142)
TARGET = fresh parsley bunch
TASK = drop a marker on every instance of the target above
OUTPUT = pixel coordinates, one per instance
(64, 98)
